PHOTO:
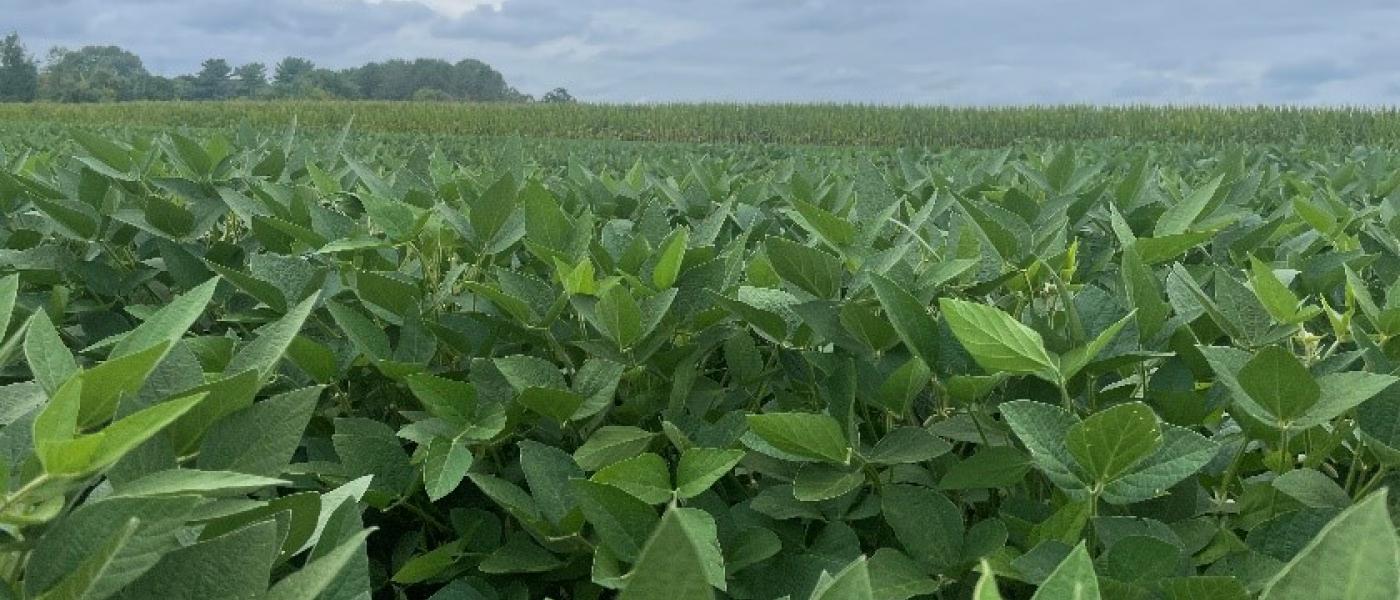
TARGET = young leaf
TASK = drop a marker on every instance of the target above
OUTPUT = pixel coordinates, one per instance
(316, 576)
(916, 327)
(621, 520)
(670, 566)
(1279, 382)
(815, 271)
(1073, 579)
(169, 323)
(926, 523)
(996, 341)
(807, 435)
(645, 476)
(1356, 556)
(49, 359)
(260, 439)
(263, 353)
(84, 581)
(850, 583)
(700, 468)
(1110, 442)
(445, 467)
(618, 316)
(668, 262)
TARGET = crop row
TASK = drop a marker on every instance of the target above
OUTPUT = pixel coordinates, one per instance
(815, 124)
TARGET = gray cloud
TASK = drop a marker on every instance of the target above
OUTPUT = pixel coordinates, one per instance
(882, 51)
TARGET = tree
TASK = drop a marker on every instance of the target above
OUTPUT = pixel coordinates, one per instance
(558, 96)
(111, 74)
(212, 81)
(290, 69)
(93, 74)
(19, 75)
(250, 80)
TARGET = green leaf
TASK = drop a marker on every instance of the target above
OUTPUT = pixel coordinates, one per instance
(428, 565)
(1074, 360)
(986, 588)
(903, 385)
(1342, 392)
(907, 445)
(894, 576)
(549, 471)
(670, 566)
(916, 327)
(1179, 217)
(176, 482)
(169, 323)
(63, 452)
(369, 339)
(1278, 381)
(850, 583)
(812, 270)
(316, 576)
(85, 580)
(1110, 442)
(263, 353)
(261, 438)
(990, 467)
(257, 288)
(618, 316)
(125, 434)
(443, 398)
(612, 443)
(926, 523)
(835, 230)
(49, 359)
(556, 404)
(66, 547)
(807, 435)
(1073, 579)
(1276, 298)
(229, 567)
(668, 262)
(622, 521)
(700, 468)
(369, 447)
(645, 476)
(1312, 488)
(519, 555)
(445, 467)
(816, 482)
(105, 386)
(1145, 291)
(1043, 429)
(1356, 556)
(997, 341)
(1181, 454)
(9, 292)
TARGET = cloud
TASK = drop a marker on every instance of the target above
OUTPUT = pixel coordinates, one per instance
(881, 51)
(450, 8)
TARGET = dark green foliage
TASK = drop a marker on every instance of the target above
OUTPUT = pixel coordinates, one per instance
(19, 75)
(245, 365)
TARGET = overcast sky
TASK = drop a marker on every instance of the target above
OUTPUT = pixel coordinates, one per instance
(882, 51)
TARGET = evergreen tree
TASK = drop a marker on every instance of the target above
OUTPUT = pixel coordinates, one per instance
(19, 75)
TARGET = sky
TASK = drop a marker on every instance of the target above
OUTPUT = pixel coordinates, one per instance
(969, 52)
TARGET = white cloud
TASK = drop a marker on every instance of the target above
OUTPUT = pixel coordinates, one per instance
(454, 9)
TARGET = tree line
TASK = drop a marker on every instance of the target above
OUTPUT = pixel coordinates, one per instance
(112, 74)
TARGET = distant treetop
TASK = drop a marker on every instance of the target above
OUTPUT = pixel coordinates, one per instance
(112, 74)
